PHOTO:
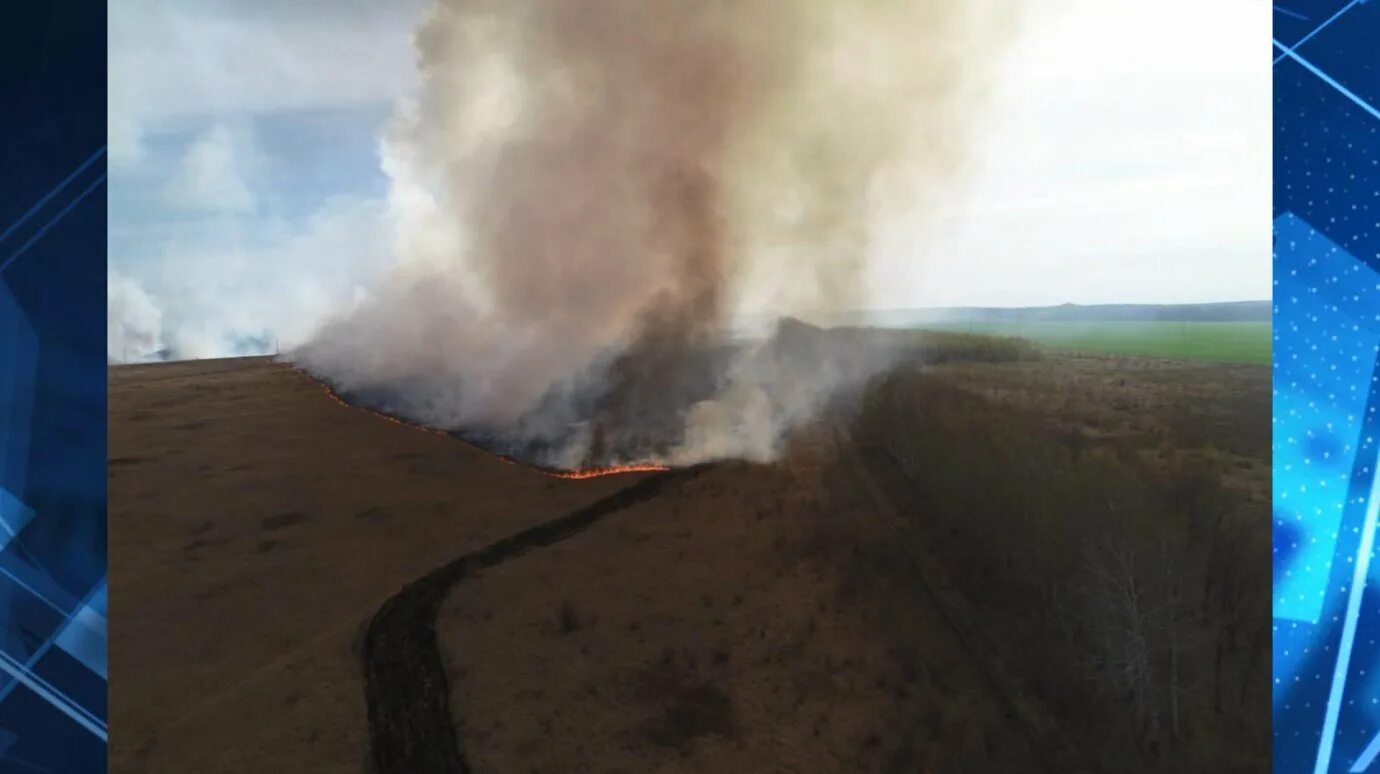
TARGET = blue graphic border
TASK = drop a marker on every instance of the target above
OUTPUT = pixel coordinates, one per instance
(53, 610)
(1326, 672)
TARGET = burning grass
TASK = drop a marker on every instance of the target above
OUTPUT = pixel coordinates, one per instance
(657, 409)
(585, 473)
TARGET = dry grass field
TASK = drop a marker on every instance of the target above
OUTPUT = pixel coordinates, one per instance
(780, 617)
(754, 618)
(255, 526)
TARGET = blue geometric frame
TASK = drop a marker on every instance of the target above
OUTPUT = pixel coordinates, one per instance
(1326, 674)
(53, 586)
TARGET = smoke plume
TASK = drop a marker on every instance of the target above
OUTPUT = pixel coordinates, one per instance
(134, 324)
(585, 192)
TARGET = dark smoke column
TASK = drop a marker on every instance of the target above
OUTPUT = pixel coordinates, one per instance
(585, 191)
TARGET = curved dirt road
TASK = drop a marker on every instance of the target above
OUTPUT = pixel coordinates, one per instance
(410, 724)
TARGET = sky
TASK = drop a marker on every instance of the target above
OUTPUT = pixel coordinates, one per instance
(246, 195)
(1124, 157)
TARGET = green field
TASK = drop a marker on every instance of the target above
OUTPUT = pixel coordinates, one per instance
(1228, 342)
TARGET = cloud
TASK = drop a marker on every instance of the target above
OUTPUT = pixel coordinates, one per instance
(225, 231)
(172, 61)
(125, 140)
(1113, 168)
(213, 171)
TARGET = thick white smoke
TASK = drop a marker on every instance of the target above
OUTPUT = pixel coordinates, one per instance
(134, 324)
(584, 191)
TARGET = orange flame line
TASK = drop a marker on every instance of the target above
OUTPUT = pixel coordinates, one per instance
(567, 474)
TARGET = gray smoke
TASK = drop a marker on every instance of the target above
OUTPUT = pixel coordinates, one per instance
(584, 192)
(134, 324)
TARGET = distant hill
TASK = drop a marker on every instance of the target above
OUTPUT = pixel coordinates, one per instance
(1234, 311)
(1237, 311)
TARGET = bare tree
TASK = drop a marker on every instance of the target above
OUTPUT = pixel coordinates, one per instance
(1172, 611)
(1119, 616)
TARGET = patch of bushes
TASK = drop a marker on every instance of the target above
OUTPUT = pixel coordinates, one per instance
(1137, 597)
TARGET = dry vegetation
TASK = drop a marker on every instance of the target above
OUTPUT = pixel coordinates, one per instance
(1104, 519)
(939, 347)
(755, 618)
(255, 527)
(1107, 517)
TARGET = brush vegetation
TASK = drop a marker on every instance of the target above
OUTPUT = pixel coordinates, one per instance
(1116, 545)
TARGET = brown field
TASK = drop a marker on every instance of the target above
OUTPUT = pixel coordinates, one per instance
(902, 591)
(255, 526)
(752, 619)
